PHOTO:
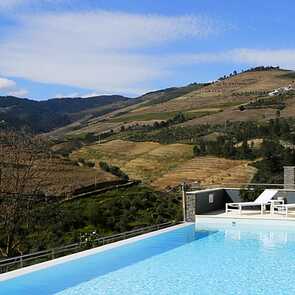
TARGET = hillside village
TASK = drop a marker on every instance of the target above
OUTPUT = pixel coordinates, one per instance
(282, 90)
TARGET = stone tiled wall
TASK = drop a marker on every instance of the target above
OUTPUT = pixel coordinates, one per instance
(289, 178)
(190, 208)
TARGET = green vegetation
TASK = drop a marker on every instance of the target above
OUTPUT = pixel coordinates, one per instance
(173, 117)
(262, 68)
(112, 212)
(289, 75)
(233, 143)
(275, 102)
(114, 170)
(275, 157)
(144, 117)
(255, 69)
(44, 116)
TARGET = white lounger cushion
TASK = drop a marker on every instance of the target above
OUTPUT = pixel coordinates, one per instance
(266, 196)
(262, 199)
(245, 204)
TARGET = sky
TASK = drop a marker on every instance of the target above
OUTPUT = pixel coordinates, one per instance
(68, 48)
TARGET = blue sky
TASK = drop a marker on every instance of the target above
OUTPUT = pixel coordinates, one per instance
(53, 48)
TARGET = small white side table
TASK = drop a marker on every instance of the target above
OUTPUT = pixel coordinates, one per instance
(274, 205)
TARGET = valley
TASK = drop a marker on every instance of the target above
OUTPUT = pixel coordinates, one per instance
(151, 138)
(230, 132)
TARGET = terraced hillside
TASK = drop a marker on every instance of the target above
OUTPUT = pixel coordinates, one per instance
(240, 97)
(143, 160)
(208, 171)
(64, 176)
(222, 94)
(201, 103)
(165, 166)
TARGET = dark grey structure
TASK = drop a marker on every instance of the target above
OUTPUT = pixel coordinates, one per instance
(213, 199)
(209, 200)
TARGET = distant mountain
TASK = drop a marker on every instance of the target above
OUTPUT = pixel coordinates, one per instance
(44, 116)
(163, 95)
(235, 97)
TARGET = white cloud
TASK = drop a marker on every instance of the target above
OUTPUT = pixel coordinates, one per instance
(9, 87)
(6, 84)
(11, 5)
(18, 93)
(72, 94)
(102, 30)
(8, 4)
(96, 50)
(107, 51)
(284, 58)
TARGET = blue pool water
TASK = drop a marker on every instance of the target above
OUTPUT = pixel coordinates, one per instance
(230, 259)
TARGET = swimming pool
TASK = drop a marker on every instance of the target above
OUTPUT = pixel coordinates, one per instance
(236, 257)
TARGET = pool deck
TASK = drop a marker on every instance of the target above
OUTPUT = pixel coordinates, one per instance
(247, 214)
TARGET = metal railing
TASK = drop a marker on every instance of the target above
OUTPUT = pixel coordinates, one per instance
(21, 261)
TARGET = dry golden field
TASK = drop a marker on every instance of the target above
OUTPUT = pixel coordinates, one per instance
(140, 160)
(63, 176)
(165, 166)
(208, 171)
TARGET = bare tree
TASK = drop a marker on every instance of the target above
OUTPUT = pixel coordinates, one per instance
(24, 162)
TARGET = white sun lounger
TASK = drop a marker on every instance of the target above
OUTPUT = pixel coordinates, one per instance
(284, 208)
(261, 201)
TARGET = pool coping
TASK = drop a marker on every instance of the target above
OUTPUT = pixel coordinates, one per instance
(256, 218)
(47, 264)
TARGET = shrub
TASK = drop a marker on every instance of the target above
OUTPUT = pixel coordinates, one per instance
(113, 170)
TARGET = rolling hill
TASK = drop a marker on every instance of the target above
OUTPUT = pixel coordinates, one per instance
(145, 140)
(215, 102)
(219, 101)
(202, 103)
(44, 116)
